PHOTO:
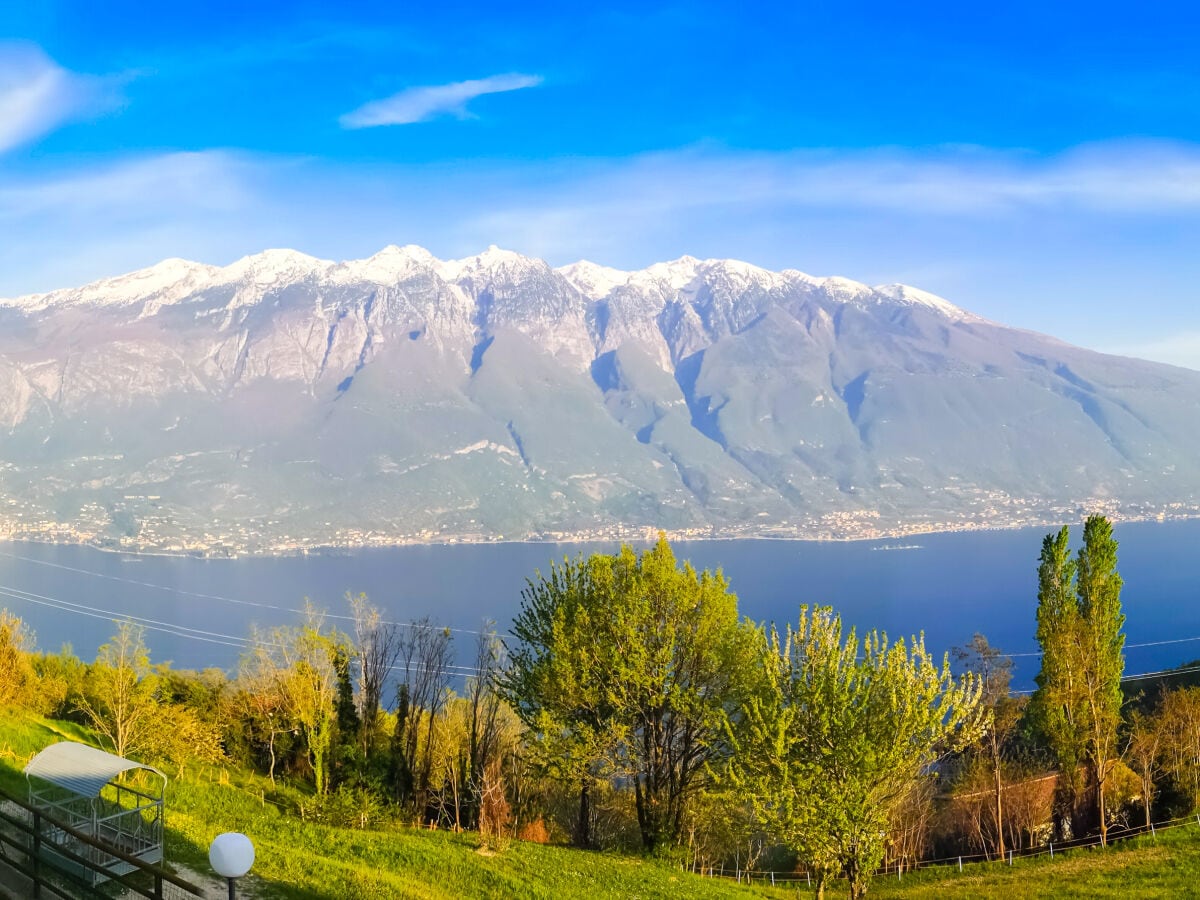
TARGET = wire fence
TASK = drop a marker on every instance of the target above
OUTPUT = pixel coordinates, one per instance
(897, 868)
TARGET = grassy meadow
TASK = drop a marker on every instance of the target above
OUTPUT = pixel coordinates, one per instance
(303, 860)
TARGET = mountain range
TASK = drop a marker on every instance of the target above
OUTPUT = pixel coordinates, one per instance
(286, 402)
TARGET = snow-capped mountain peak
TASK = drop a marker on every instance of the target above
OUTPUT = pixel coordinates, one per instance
(491, 261)
(676, 274)
(389, 265)
(593, 281)
(907, 294)
(273, 266)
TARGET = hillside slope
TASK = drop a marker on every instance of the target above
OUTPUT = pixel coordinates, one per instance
(285, 402)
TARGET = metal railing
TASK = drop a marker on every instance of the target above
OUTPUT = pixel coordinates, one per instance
(31, 862)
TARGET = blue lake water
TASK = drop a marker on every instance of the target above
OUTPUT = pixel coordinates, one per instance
(198, 611)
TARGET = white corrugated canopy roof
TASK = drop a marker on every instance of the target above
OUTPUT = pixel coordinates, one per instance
(79, 768)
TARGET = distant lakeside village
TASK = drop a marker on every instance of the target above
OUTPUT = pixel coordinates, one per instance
(267, 537)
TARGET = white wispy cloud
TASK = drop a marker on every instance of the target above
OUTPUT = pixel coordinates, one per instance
(418, 104)
(71, 227)
(37, 95)
(1140, 178)
(1067, 244)
(186, 182)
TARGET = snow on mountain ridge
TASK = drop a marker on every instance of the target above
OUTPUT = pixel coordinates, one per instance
(593, 280)
(915, 296)
(174, 280)
(272, 266)
(165, 282)
(492, 260)
(677, 274)
(389, 265)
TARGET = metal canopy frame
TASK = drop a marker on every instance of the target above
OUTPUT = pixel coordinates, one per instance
(79, 786)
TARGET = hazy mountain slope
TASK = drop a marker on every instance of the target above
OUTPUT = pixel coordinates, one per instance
(286, 401)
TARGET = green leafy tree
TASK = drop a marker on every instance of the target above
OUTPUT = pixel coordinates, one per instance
(633, 659)
(120, 698)
(830, 746)
(60, 679)
(560, 679)
(18, 680)
(295, 671)
(1177, 727)
(1078, 699)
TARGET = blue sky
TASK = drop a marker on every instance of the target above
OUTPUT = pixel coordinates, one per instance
(1036, 163)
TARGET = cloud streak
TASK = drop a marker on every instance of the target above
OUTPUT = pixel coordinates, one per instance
(37, 95)
(1137, 178)
(419, 104)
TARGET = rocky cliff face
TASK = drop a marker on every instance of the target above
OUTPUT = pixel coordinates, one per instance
(285, 401)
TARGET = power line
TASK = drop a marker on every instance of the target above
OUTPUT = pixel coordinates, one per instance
(203, 596)
(457, 670)
(176, 630)
(171, 628)
(1162, 643)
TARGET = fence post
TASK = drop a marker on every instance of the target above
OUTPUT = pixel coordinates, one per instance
(1052, 849)
(960, 865)
(1010, 853)
(37, 854)
(772, 879)
(808, 875)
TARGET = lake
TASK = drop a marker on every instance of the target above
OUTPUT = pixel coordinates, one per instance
(199, 611)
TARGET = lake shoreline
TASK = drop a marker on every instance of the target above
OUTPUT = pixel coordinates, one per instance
(648, 536)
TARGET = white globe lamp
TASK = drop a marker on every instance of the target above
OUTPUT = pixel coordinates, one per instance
(231, 856)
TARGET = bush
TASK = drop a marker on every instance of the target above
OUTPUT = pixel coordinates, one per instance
(347, 807)
(534, 832)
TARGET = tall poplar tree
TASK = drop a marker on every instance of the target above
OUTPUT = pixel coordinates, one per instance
(1078, 700)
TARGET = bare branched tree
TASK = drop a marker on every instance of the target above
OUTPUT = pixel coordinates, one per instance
(484, 704)
(426, 653)
(378, 645)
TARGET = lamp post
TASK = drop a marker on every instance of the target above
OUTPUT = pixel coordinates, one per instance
(231, 856)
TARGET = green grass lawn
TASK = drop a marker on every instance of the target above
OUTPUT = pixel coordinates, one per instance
(305, 861)
(1166, 866)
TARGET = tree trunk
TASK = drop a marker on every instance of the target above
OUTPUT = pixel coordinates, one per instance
(583, 825)
(999, 813)
(1100, 809)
